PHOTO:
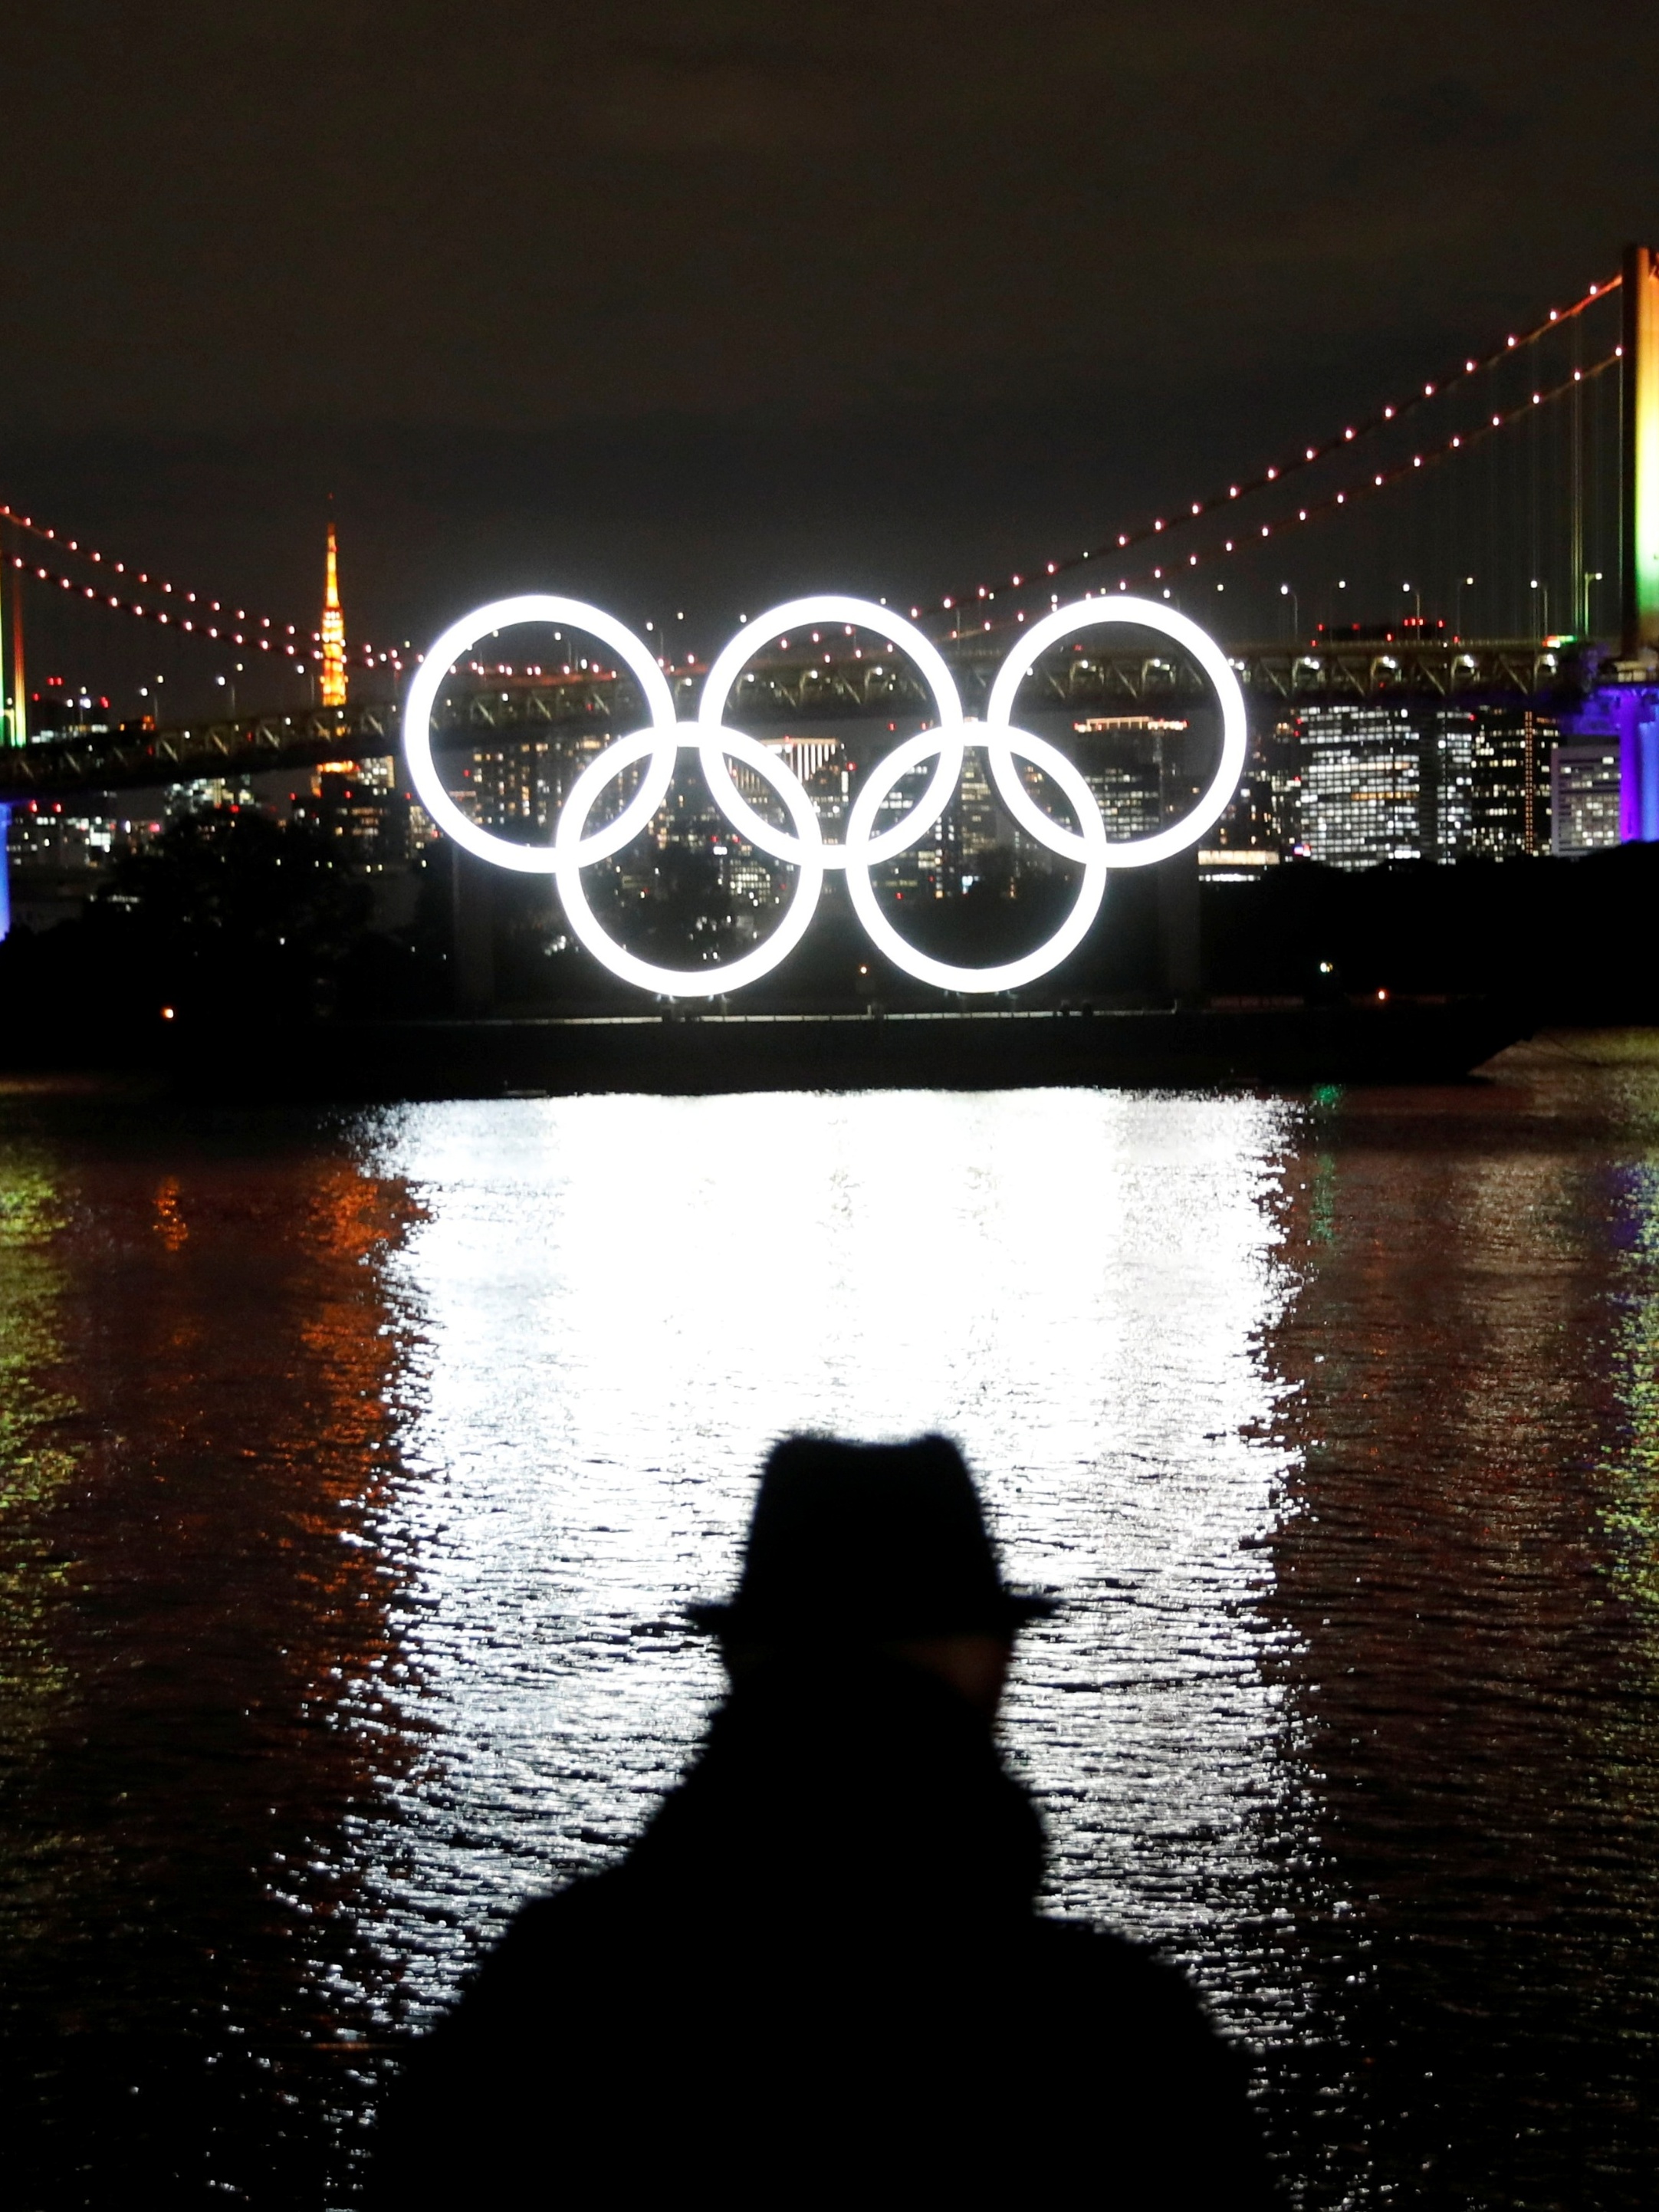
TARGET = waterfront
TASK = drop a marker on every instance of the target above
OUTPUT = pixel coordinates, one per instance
(357, 1465)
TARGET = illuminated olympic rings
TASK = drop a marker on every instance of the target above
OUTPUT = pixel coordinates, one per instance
(574, 847)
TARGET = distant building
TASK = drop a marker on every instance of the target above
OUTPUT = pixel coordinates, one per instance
(972, 828)
(205, 791)
(1420, 781)
(1584, 792)
(1281, 770)
(1257, 829)
(1130, 795)
(57, 856)
(519, 786)
(1126, 770)
(1445, 812)
(1509, 787)
(1235, 863)
(372, 825)
(1485, 783)
(1361, 794)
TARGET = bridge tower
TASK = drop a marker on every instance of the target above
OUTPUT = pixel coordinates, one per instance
(1640, 580)
(331, 691)
(14, 731)
(1639, 722)
(1626, 712)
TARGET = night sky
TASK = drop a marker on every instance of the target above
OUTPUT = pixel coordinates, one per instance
(690, 306)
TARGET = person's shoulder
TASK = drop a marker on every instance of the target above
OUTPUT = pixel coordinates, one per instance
(464, 2089)
(583, 1907)
(562, 1923)
(1076, 1946)
(1124, 1978)
(1118, 2014)
(552, 1939)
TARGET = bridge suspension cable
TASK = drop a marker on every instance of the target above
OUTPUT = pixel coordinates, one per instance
(1037, 575)
(281, 635)
(187, 623)
(1359, 488)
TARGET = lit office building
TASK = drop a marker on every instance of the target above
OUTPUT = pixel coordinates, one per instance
(371, 825)
(957, 854)
(1584, 788)
(1281, 772)
(1129, 799)
(1446, 808)
(518, 788)
(1257, 829)
(1136, 768)
(1487, 794)
(1439, 783)
(746, 879)
(1360, 800)
(202, 793)
(57, 860)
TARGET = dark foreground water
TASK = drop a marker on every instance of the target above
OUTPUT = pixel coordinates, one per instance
(356, 1466)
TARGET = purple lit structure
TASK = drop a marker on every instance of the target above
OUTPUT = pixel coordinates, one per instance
(1628, 713)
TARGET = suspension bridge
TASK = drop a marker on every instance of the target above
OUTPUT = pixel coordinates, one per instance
(1490, 534)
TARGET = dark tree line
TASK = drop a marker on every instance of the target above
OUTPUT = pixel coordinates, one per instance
(234, 920)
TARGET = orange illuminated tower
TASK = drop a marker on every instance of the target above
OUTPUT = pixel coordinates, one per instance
(332, 690)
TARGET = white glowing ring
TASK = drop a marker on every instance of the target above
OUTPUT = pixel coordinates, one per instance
(661, 742)
(1088, 842)
(574, 847)
(572, 851)
(801, 614)
(1066, 621)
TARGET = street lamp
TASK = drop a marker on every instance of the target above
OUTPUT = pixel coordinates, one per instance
(1545, 590)
(1285, 592)
(1463, 583)
(1417, 603)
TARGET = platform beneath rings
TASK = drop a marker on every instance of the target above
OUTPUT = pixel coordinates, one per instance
(1402, 1041)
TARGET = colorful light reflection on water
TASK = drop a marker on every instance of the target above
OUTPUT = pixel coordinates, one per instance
(358, 1466)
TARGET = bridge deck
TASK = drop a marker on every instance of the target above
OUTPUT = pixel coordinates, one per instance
(1276, 675)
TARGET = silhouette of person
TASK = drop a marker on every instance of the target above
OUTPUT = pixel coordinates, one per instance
(817, 1976)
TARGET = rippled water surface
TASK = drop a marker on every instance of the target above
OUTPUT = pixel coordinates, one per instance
(357, 1467)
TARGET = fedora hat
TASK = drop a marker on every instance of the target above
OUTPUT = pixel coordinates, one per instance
(886, 1540)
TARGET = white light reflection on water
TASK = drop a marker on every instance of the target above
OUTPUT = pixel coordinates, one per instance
(618, 1302)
